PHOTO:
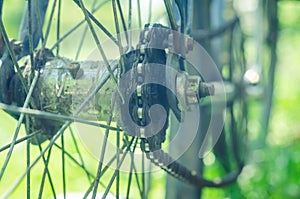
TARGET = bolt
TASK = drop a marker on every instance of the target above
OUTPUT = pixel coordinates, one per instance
(189, 44)
(206, 89)
(75, 70)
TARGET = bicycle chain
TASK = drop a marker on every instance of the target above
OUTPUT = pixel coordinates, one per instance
(138, 62)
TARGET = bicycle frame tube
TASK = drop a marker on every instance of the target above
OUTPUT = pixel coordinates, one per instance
(38, 9)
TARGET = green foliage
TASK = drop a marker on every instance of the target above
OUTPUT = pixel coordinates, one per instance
(273, 171)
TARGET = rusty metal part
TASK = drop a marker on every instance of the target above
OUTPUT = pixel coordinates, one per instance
(190, 89)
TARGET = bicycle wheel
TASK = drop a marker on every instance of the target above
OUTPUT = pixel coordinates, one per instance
(55, 89)
(47, 172)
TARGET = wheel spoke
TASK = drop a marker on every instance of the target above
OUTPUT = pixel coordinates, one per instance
(129, 181)
(21, 140)
(135, 170)
(89, 174)
(99, 46)
(117, 169)
(118, 160)
(171, 14)
(122, 19)
(139, 13)
(30, 39)
(103, 150)
(80, 164)
(63, 166)
(60, 39)
(143, 176)
(58, 26)
(106, 167)
(51, 143)
(51, 116)
(117, 26)
(16, 133)
(28, 183)
(49, 25)
(130, 23)
(12, 55)
(79, 153)
(31, 27)
(83, 36)
(80, 44)
(89, 16)
(39, 20)
(46, 172)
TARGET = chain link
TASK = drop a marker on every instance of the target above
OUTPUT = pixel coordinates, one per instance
(147, 95)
